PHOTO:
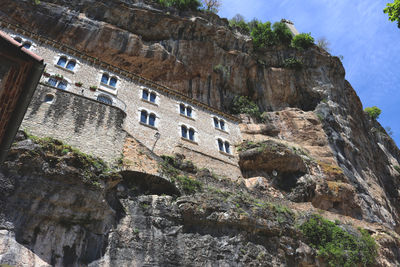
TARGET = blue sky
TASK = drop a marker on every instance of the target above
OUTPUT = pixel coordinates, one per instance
(357, 30)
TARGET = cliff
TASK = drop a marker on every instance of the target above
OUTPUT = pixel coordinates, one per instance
(316, 149)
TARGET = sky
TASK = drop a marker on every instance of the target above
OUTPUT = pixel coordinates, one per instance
(358, 30)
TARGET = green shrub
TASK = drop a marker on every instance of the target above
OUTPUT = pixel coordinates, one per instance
(181, 4)
(243, 105)
(265, 36)
(262, 35)
(187, 184)
(337, 246)
(293, 63)
(373, 112)
(302, 41)
(238, 21)
(397, 168)
(282, 33)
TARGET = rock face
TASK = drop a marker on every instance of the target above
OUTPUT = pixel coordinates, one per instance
(316, 149)
(59, 217)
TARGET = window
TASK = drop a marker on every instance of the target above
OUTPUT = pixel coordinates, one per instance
(105, 99)
(216, 123)
(185, 110)
(152, 120)
(224, 146)
(27, 45)
(222, 125)
(145, 95)
(191, 134)
(105, 79)
(227, 147)
(63, 62)
(61, 84)
(188, 133)
(49, 98)
(219, 124)
(71, 65)
(184, 131)
(220, 145)
(147, 118)
(143, 116)
(149, 96)
(153, 97)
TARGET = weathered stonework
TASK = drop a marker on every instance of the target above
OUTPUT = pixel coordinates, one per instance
(91, 126)
(164, 138)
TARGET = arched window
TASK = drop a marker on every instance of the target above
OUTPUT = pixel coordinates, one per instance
(104, 78)
(222, 124)
(71, 65)
(185, 110)
(61, 84)
(182, 109)
(188, 133)
(152, 120)
(149, 96)
(220, 145)
(216, 123)
(184, 131)
(145, 94)
(49, 98)
(189, 111)
(153, 97)
(27, 45)
(62, 61)
(224, 146)
(18, 39)
(227, 147)
(148, 118)
(143, 116)
(52, 82)
(105, 99)
(191, 134)
(219, 124)
(65, 63)
(113, 82)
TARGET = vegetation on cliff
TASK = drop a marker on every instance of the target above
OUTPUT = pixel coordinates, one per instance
(337, 245)
(243, 105)
(91, 170)
(373, 112)
(182, 5)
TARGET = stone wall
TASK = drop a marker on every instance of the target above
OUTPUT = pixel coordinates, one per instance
(93, 127)
(127, 95)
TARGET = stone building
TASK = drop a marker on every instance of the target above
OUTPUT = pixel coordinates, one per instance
(162, 119)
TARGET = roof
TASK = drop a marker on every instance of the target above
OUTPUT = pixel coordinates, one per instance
(17, 92)
(29, 53)
(115, 69)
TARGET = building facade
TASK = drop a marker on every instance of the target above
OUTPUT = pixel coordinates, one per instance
(164, 120)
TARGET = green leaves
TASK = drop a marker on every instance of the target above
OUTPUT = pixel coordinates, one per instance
(243, 105)
(181, 4)
(302, 41)
(373, 112)
(393, 10)
(265, 36)
(338, 246)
